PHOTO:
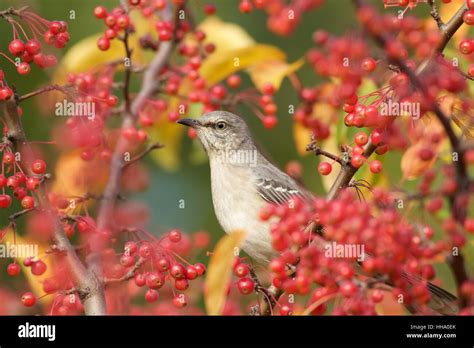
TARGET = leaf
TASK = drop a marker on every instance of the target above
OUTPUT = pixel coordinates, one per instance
(236, 50)
(302, 137)
(76, 177)
(220, 271)
(219, 66)
(170, 134)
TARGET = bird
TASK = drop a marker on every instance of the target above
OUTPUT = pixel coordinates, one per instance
(243, 181)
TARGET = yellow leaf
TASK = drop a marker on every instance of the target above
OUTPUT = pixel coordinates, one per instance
(236, 50)
(76, 177)
(218, 66)
(169, 134)
(226, 36)
(302, 136)
(85, 55)
(220, 271)
(272, 72)
(35, 282)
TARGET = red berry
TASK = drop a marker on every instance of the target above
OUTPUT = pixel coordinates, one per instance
(286, 310)
(269, 122)
(163, 265)
(151, 295)
(234, 81)
(179, 301)
(111, 100)
(130, 248)
(181, 284)
(8, 158)
(155, 280)
(177, 271)
(33, 47)
(377, 295)
(191, 273)
(5, 201)
(140, 279)
(246, 286)
(123, 21)
(103, 43)
(38, 267)
(165, 35)
(241, 270)
(375, 166)
(468, 17)
(376, 137)
(28, 299)
(357, 161)
(209, 9)
(145, 251)
(100, 12)
(110, 21)
(361, 138)
(200, 268)
(38, 166)
(174, 236)
(127, 260)
(348, 289)
(369, 64)
(16, 47)
(324, 168)
(268, 89)
(245, 6)
(469, 225)
(466, 46)
(28, 202)
(13, 269)
(470, 4)
(23, 68)
(5, 93)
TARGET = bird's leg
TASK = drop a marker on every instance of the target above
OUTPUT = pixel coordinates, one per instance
(267, 294)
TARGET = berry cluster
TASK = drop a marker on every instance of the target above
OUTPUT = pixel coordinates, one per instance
(28, 49)
(117, 21)
(283, 17)
(20, 185)
(397, 248)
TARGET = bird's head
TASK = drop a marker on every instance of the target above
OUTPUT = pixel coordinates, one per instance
(220, 131)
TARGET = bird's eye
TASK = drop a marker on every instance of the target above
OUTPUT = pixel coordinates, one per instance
(221, 125)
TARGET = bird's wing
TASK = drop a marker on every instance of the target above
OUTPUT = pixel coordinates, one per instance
(276, 187)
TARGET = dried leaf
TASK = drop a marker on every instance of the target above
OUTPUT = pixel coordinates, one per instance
(220, 271)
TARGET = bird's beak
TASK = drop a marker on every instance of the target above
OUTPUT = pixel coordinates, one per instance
(190, 122)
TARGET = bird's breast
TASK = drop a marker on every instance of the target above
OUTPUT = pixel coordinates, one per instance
(237, 205)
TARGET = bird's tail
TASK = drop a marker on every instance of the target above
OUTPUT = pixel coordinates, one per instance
(441, 302)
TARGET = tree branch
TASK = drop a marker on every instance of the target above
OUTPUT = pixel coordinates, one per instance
(92, 297)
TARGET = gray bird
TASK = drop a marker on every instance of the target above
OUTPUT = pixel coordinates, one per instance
(243, 181)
